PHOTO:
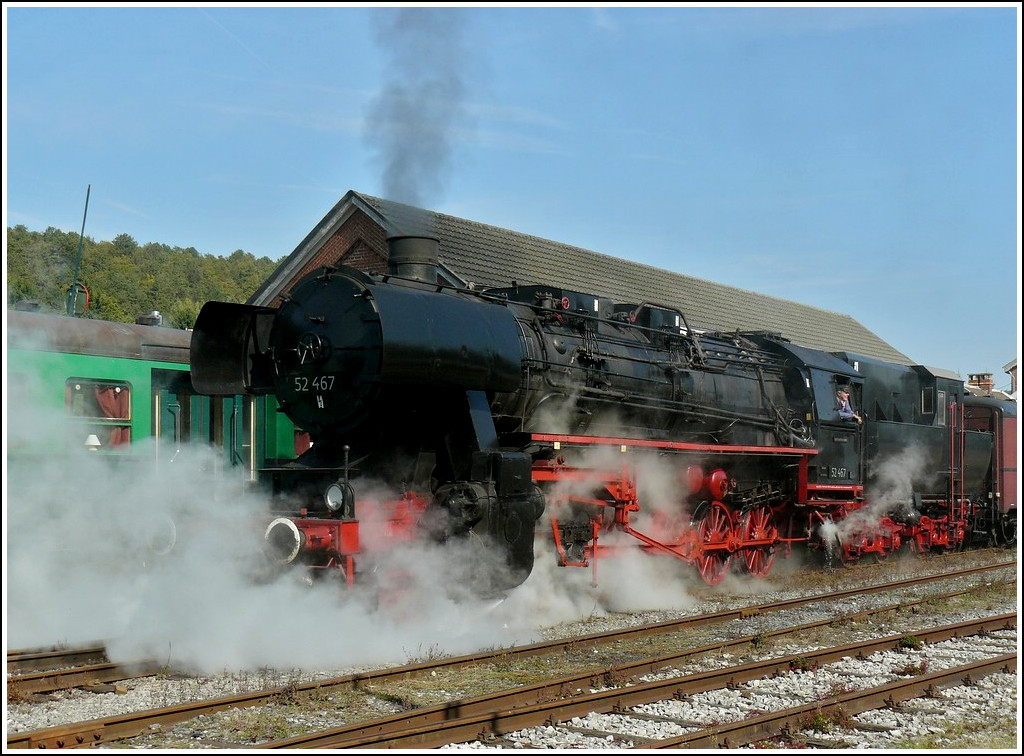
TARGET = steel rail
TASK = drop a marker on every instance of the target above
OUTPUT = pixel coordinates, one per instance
(55, 658)
(497, 722)
(79, 676)
(783, 722)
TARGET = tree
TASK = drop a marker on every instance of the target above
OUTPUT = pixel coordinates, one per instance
(126, 280)
(124, 245)
(183, 314)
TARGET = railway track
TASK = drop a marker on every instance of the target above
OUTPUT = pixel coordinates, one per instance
(31, 671)
(493, 717)
(78, 676)
(130, 725)
(794, 725)
(35, 660)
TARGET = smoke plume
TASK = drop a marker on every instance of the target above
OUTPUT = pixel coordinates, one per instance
(412, 124)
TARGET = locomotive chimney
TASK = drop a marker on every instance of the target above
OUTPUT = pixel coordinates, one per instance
(413, 257)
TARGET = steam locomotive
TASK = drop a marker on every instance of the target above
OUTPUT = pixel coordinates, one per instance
(535, 416)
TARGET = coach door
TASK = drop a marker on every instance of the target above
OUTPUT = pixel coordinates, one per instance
(237, 433)
(177, 412)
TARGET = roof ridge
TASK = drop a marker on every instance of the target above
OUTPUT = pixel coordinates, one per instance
(611, 258)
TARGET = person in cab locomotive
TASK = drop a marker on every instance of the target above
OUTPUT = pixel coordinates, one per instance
(845, 409)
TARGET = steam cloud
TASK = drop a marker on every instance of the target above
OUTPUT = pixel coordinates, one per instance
(90, 558)
(889, 493)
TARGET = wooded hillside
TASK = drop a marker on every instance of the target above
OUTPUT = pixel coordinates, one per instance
(125, 280)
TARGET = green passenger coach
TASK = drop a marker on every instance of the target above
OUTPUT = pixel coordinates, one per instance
(79, 385)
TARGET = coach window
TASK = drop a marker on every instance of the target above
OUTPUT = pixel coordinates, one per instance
(103, 409)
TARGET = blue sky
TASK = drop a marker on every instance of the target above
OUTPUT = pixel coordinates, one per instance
(860, 159)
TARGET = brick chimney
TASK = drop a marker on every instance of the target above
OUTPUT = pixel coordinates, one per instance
(982, 381)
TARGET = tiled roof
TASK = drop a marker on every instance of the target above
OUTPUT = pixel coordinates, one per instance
(491, 256)
(488, 256)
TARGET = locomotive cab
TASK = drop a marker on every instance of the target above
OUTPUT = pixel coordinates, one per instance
(911, 412)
